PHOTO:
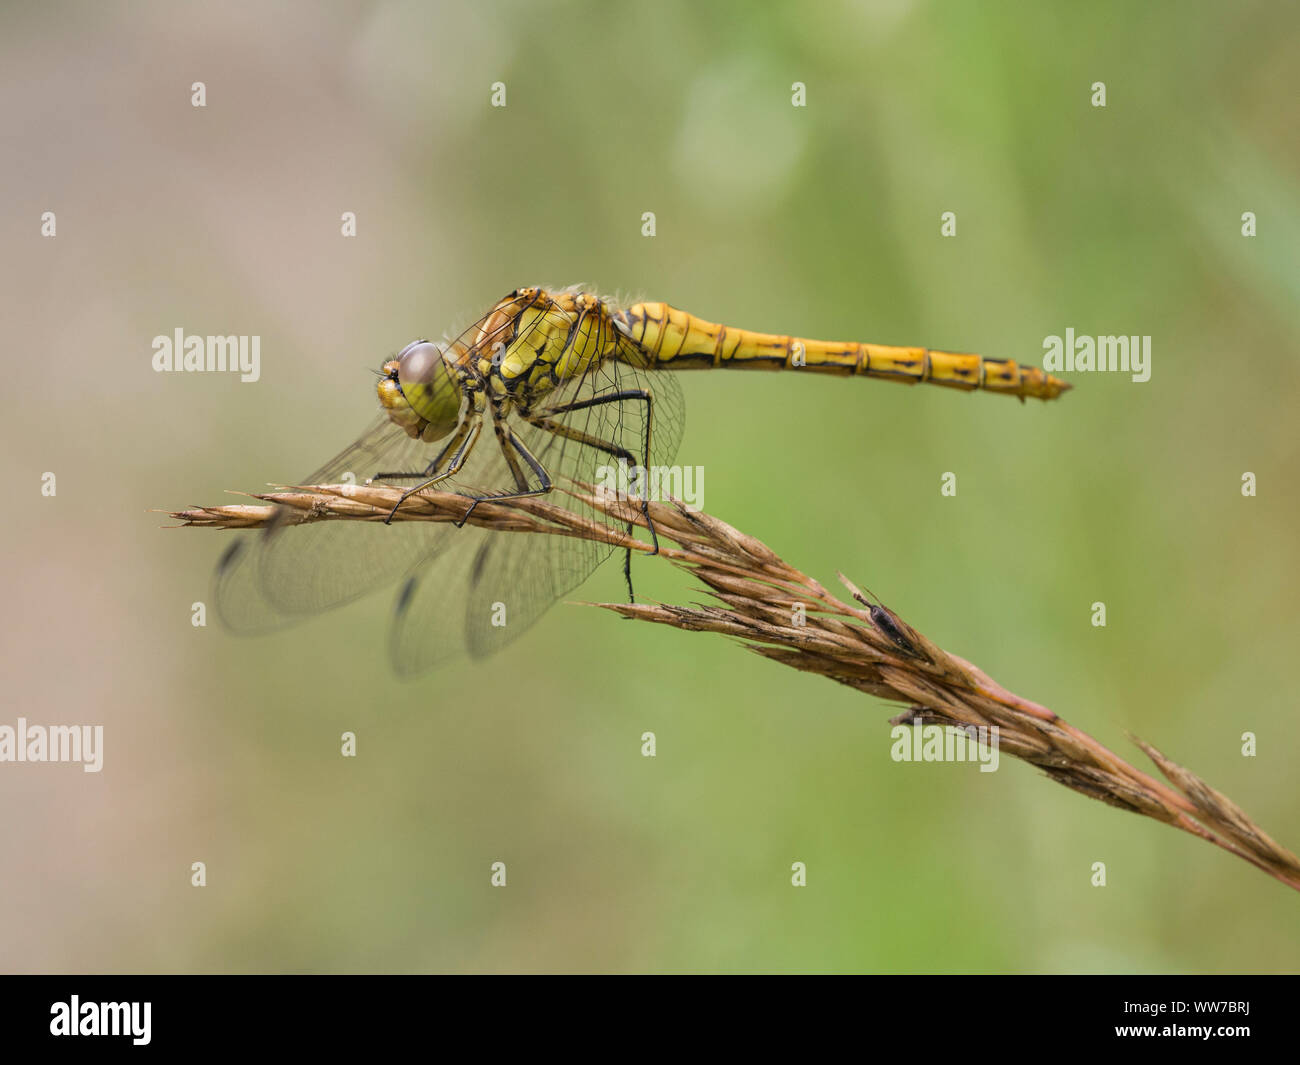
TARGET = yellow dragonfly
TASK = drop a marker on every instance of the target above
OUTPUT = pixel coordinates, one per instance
(546, 386)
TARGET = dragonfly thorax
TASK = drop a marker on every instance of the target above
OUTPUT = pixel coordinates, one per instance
(420, 392)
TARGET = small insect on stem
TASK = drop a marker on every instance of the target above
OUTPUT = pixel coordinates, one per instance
(885, 621)
(913, 715)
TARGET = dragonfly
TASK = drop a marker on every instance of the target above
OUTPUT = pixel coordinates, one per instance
(548, 387)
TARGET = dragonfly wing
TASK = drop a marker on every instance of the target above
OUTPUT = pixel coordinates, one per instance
(429, 621)
(493, 586)
(466, 589)
(281, 573)
(528, 577)
(484, 591)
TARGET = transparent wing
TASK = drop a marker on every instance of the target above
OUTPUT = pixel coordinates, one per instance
(273, 576)
(281, 573)
(467, 590)
(488, 589)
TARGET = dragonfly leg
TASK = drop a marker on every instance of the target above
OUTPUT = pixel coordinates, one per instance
(455, 440)
(510, 441)
(570, 433)
(543, 420)
(432, 468)
(467, 432)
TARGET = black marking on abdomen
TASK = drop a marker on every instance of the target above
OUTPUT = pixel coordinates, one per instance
(704, 357)
(747, 360)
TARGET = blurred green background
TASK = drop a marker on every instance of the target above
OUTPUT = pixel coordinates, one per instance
(821, 221)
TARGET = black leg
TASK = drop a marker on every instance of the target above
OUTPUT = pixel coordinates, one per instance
(467, 432)
(510, 440)
(543, 420)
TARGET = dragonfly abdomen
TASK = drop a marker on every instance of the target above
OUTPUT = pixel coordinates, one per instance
(672, 339)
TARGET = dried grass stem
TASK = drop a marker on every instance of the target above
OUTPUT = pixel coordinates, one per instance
(862, 646)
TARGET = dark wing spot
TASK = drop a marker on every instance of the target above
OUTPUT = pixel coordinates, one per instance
(404, 596)
(229, 556)
(476, 569)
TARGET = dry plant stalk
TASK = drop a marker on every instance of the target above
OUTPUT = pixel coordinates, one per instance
(863, 646)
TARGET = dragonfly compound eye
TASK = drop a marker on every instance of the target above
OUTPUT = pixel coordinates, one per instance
(430, 388)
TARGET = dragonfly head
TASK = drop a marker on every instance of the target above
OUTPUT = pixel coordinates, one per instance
(419, 392)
